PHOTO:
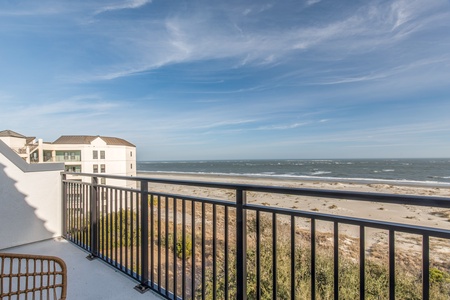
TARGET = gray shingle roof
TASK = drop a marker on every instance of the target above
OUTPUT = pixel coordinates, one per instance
(11, 133)
(87, 139)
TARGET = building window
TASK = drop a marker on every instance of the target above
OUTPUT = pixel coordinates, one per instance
(95, 154)
(102, 180)
(131, 153)
(95, 168)
(67, 156)
(102, 168)
(76, 169)
(131, 166)
(102, 154)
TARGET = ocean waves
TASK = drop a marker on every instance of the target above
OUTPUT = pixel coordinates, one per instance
(408, 171)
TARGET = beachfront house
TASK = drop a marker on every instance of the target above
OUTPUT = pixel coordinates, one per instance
(25, 147)
(79, 153)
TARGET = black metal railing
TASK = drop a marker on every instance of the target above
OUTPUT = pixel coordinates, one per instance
(191, 247)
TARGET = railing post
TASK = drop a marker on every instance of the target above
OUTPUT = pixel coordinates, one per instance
(93, 216)
(241, 245)
(143, 286)
(426, 267)
(64, 205)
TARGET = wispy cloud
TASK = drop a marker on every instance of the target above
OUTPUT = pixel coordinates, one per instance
(257, 9)
(55, 7)
(199, 36)
(85, 104)
(119, 5)
(282, 127)
(312, 2)
(406, 134)
(223, 124)
(32, 8)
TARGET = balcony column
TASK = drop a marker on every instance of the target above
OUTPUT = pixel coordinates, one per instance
(40, 151)
(64, 204)
(28, 154)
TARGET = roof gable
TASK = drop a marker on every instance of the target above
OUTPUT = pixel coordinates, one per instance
(10, 133)
(98, 141)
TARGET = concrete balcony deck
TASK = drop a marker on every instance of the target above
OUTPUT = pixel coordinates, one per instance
(86, 279)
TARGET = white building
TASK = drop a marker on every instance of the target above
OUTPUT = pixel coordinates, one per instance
(80, 153)
(22, 145)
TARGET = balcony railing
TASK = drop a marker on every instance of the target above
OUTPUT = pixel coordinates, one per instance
(70, 158)
(189, 247)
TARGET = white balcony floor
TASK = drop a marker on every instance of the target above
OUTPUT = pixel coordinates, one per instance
(86, 279)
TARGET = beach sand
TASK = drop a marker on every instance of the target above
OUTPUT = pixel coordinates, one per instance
(376, 240)
(418, 215)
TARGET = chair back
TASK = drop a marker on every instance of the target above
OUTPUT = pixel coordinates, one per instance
(24, 276)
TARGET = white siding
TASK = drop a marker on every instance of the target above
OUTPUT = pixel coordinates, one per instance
(13, 142)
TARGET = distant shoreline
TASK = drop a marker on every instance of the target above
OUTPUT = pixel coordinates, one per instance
(280, 178)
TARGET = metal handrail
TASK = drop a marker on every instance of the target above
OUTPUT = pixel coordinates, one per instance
(99, 207)
(434, 201)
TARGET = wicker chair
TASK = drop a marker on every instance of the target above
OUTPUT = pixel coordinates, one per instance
(25, 276)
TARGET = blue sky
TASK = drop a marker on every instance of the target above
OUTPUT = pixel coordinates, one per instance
(231, 79)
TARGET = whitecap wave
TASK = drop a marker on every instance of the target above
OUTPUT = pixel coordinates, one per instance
(320, 173)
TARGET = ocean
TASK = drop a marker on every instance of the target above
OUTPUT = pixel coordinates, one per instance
(396, 171)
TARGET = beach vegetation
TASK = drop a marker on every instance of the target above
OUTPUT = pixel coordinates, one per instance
(113, 226)
(180, 246)
(439, 276)
(116, 229)
(154, 198)
(408, 280)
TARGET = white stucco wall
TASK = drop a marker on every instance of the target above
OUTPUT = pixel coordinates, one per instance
(13, 142)
(30, 200)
